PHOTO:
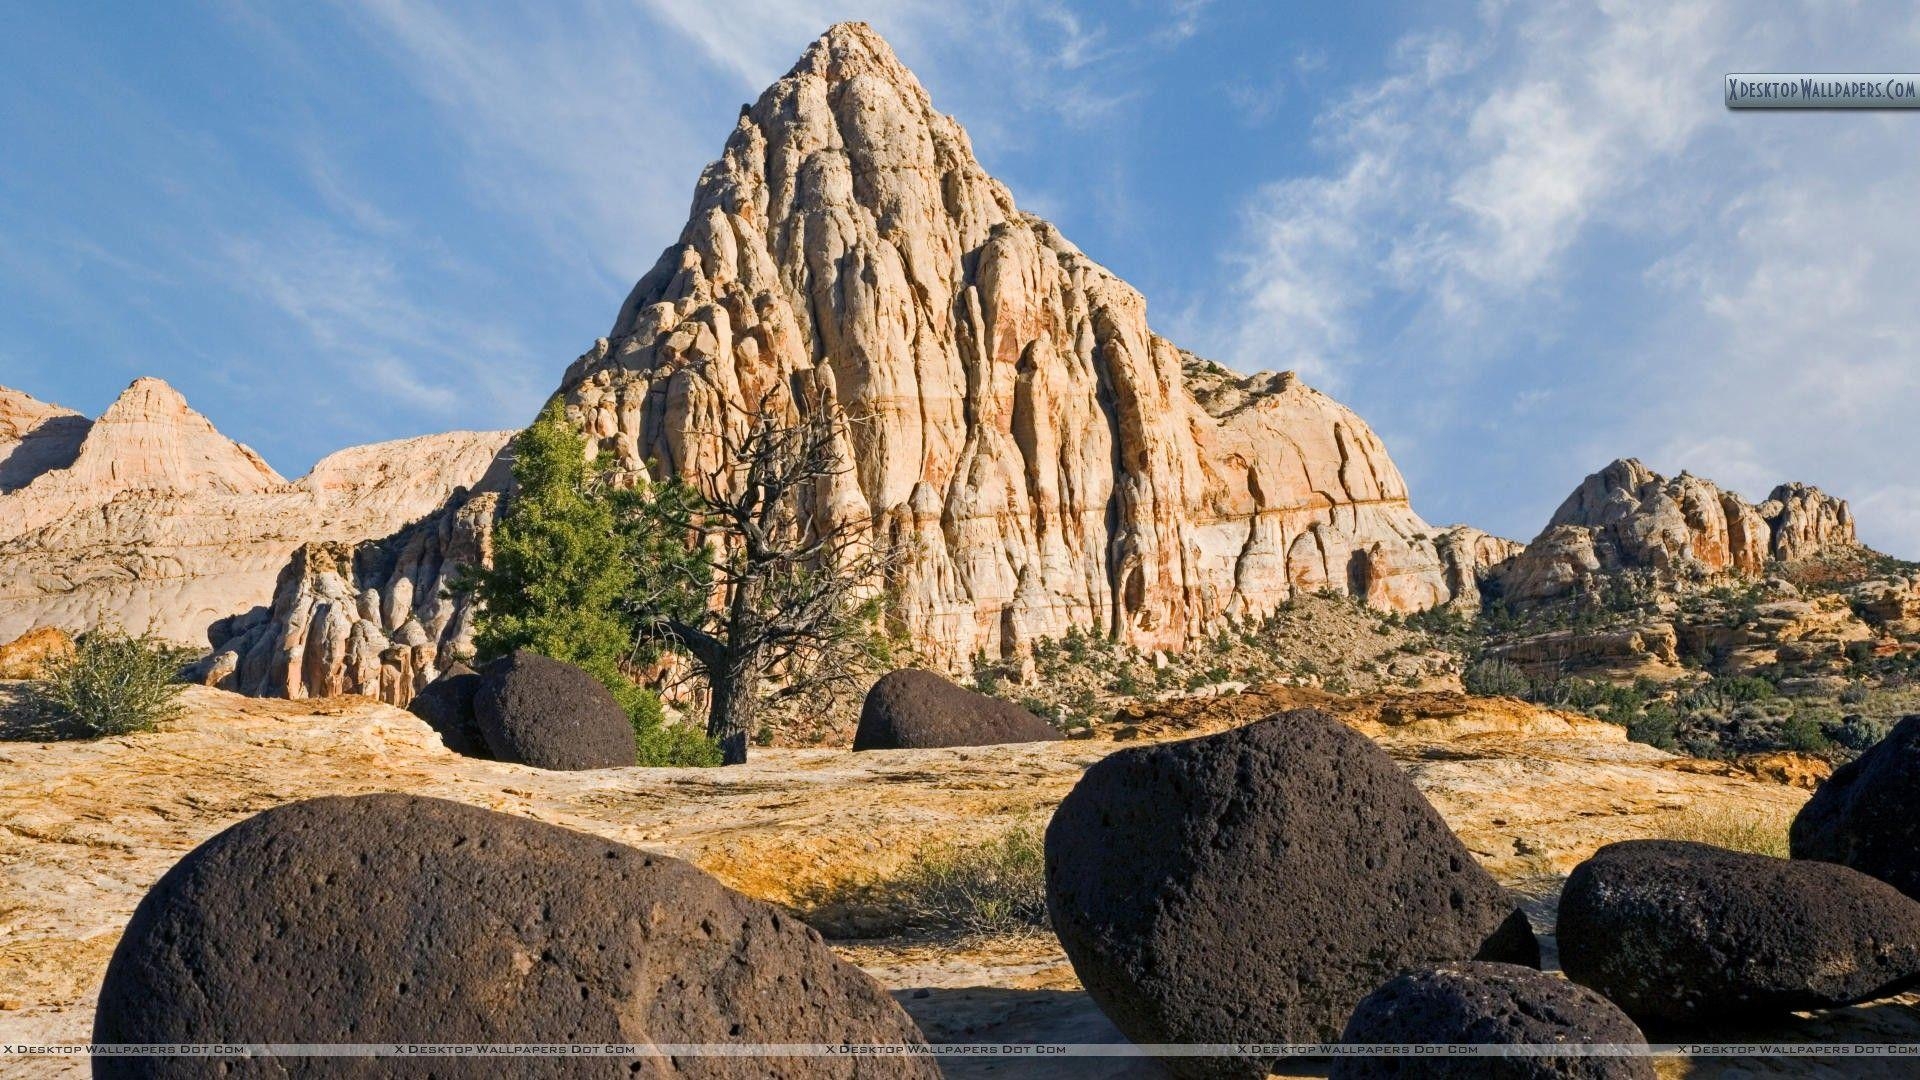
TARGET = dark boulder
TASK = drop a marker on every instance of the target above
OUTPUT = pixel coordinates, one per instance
(550, 715)
(1867, 814)
(1253, 886)
(446, 704)
(392, 918)
(918, 710)
(1501, 1004)
(1678, 933)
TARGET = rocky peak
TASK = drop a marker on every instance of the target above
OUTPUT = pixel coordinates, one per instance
(150, 519)
(1014, 425)
(1011, 415)
(1628, 517)
(150, 439)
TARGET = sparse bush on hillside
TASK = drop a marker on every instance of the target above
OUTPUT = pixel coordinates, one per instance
(112, 684)
(1494, 677)
(1860, 733)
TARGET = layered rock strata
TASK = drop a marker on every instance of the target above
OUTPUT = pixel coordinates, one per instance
(1012, 424)
(149, 518)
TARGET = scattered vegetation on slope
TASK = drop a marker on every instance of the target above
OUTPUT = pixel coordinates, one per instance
(1324, 640)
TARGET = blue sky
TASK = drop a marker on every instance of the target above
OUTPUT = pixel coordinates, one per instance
(1521, 240)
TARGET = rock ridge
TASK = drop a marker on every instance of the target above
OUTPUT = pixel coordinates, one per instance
(149, 518)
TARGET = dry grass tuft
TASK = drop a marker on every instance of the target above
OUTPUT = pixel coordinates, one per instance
(1758, 832)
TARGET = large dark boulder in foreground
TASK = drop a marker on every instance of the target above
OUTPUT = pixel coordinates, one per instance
(384, 918)
(1867, 814)
(550, 715)
(918, 710)
(1502, 1004)
(1253, 886)
(1677, 933)
(446, 704)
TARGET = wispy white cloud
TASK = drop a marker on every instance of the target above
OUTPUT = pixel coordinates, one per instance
(1554, 197)
(352, 304)
(572, 123)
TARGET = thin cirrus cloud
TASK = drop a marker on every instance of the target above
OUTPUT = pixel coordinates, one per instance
(1539, 242)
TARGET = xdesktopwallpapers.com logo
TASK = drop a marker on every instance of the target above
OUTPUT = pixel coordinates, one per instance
(1823, 91)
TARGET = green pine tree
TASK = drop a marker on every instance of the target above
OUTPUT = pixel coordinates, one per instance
(572, 557)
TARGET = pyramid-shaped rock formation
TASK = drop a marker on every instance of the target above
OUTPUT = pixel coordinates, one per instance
(1044, 457)
(149, 518)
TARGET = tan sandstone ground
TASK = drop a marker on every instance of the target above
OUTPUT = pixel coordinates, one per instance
(86, 827)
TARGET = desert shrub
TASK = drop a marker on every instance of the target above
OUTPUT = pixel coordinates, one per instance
(1855, 694)
(988, 888)
(1659, 726)
(1803, 733)
(1760, 832)
(1494, 677)
(1744, 688)
(1862, 732)
(112, 684)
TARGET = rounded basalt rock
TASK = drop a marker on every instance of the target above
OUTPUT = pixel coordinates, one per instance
(1253, 886)
(1677, 933)
(550, 715)
(1867, 814)
(394, 918)
(1485, 1003)
(918, 710)
(446, 704)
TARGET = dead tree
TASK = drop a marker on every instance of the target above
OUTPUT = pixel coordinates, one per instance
(789, 590)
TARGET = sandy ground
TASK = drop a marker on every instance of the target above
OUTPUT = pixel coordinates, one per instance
(86, 827)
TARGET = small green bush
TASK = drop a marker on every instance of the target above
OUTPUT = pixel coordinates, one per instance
(1862, 732)
(1803, 733)
(1495, 677)
(1658, 727)
(112, 684)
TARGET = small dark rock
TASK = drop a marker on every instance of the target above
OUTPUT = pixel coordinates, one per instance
(446, 704)
(1253, 886)
(550, 715)
(1867, 814)
(392, 918)
(1501, 1004)
(918, 710)
(1677, 933)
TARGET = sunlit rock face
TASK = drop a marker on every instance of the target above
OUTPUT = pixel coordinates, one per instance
(1041, 457)
(1048, 460)
(149, 519)
(1628, 517)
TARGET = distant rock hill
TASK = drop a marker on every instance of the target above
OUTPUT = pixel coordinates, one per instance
(1049, 461)
(1644, 575)
(149, 518)
(1627, 517)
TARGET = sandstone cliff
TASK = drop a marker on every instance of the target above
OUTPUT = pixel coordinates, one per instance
(149, 518)
(1015, 425)
(1628, 518)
